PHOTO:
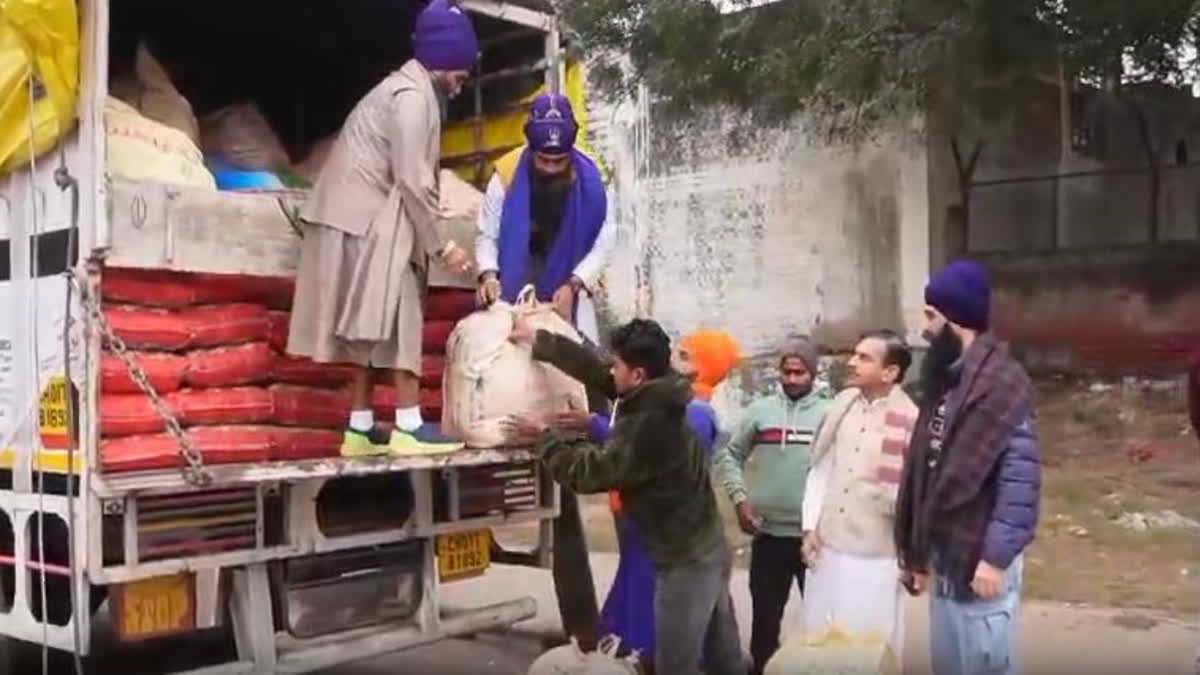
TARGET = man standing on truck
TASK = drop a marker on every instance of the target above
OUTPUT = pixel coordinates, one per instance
(370, 228)
(544, 219)
(651, 454)
(777, 432)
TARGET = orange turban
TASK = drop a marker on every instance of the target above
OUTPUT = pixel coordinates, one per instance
(714, 354)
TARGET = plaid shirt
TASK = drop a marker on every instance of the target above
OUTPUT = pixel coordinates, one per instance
(945, 505)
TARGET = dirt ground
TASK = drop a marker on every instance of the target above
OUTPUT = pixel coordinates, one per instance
(1120, 523)
(1119, 509)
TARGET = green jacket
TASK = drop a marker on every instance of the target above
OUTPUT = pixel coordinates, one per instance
(778, 433)
(651, 456)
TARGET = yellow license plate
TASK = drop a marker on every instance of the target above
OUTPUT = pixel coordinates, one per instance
(155, 607)
(463, 554)
(52, 413)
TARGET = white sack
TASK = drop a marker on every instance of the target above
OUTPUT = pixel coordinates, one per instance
(489, 379)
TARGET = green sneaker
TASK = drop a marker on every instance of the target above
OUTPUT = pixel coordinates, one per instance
(425, 440)
(358, 444)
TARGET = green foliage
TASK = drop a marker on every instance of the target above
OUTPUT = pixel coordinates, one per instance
(856, 62)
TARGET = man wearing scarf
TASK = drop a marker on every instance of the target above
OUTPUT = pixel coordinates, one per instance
(544, 219)
(970, 489)
(850, 497)
(370, 227)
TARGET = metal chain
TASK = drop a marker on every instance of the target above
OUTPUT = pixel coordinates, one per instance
(194, 472)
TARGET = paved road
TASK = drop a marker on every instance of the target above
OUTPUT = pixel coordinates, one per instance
(1056, 639)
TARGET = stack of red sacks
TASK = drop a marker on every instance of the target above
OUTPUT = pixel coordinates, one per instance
(213, 348)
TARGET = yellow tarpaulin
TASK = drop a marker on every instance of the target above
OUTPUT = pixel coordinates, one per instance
(505, 130)
(39, 42)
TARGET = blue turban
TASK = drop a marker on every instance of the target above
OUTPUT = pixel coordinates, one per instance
(962, 293)
(551, 127)
(444, 37)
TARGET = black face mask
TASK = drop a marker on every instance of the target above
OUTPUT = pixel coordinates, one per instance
(945, 348)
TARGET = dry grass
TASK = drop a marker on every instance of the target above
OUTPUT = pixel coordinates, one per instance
(1107, 453)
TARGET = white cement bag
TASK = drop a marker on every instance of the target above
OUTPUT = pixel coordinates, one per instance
(571, 660)
(833, 652)
(489, 379)
(139, 148)
(242, 136)
(150, 92)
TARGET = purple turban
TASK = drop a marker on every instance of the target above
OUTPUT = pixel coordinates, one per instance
(962, 293)
(551, 127)
(444, 38)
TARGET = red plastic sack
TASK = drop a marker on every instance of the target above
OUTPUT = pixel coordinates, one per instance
(308, 407)
(279, 325)
(383, 402)
(217, 407)
(163, 288)
(300, 371)
(449, 304)
(145, 328)
(434, 336)
(165, 372)
(230, 366)
(217, 445)
(432, 367)
(296, 444)
(274, 292)
(128, 414)
(221, 325)
(151, 288)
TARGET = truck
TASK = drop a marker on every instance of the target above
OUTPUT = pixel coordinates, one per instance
(305, 562)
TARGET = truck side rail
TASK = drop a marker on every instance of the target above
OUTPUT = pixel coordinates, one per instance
(171, 480)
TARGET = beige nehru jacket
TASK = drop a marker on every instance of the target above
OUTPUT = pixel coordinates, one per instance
(863, 445)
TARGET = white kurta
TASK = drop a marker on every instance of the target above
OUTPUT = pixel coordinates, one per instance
(487, 254)
(858, 594)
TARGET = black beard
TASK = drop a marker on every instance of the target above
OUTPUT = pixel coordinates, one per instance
(549, 201)
(552, 184)
(945, 349)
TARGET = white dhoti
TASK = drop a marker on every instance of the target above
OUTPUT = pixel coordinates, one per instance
(857, 594)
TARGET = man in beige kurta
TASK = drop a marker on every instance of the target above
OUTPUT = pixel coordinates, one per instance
(850, 497)
(370, 228)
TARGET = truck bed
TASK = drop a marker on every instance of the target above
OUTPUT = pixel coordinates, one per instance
(156, 226)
